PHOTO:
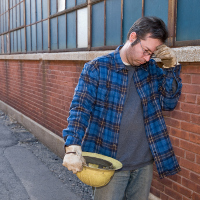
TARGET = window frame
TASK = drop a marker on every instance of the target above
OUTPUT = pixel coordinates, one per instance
(173, 10)
(66, 11)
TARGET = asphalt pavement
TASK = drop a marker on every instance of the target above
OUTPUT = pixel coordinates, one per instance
(28, 170)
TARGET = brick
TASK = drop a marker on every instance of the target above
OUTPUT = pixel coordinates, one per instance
(191, 108)
(195, 196)
(182, 190)
(190, 127)
(185, 198)
(179, 152)
(166, 113)
(174, 141)
(191, 98)
(172, 193)
(190, 68)
(191, 89)
(186, 78)
(157, 185)
(169, 198)
(182, 97)
(184, 173)
(155, 173)
(195, 138)
(155, 192)
(166, 181)
(192, 147)
(176, 178)
(190, 156)
(178, 159)
(178, 106)
(190, 185)
(163, 196)
(195, 119)
(179, 133)
(168, 128)
(198, 159)
(195, 79)
(172, 122)
(195, 178)
(180, 115)
(79, 67)
(190, 165)
(198, 100)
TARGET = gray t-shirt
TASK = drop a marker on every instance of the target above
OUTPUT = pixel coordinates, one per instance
(133, 149)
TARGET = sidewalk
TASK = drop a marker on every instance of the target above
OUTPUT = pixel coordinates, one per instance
(22, 175)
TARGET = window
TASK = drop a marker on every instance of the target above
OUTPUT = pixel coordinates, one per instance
(152, 7)
(12, 26)
(113, 29)
(62, 40)
(98, 25)
(82, 28)
(71, 30)
(188, 24)
(61, 5)
(36, 12)
(30, 26)
(131, 14)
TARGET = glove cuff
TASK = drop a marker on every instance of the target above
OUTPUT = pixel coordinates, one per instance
(76, 149)
(166, 67)
(70, 152)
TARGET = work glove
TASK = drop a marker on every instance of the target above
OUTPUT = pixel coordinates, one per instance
(166, 55)
(73, 158)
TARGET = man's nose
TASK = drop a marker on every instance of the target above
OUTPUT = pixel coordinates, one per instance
(147, 58)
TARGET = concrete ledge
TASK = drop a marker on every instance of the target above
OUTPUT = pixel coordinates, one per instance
(48, 138)
(184, 54)
(81, 55)
(188, 54)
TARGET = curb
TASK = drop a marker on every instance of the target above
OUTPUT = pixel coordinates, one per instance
(45, 136)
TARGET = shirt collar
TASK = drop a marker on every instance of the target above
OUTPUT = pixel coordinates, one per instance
(120, 65)
(118, 61)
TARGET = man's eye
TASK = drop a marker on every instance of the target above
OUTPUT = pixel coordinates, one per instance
(146, 51)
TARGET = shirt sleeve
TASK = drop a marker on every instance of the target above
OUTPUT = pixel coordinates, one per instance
(170, 86)
(82, 105)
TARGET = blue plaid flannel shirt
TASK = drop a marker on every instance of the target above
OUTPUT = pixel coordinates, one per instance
(97, 106)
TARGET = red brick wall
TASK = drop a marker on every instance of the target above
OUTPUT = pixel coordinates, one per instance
(43, 90)
(184, 128)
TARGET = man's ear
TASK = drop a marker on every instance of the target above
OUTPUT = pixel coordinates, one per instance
(132, 37)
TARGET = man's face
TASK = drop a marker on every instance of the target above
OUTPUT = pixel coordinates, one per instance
(136, 55)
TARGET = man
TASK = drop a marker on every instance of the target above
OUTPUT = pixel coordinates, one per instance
(117, 111)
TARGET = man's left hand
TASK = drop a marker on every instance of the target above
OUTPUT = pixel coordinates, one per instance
(166, 55)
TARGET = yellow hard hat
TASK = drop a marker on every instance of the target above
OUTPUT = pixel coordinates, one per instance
(99, 169)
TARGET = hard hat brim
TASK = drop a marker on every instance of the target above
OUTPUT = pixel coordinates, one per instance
(115, 163)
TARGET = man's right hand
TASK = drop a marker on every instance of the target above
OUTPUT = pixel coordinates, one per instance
(166, 55)
(73, 158)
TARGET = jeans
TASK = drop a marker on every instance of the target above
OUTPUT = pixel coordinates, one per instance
(127, 185)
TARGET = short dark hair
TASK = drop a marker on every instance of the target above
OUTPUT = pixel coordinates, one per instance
(145, 25)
